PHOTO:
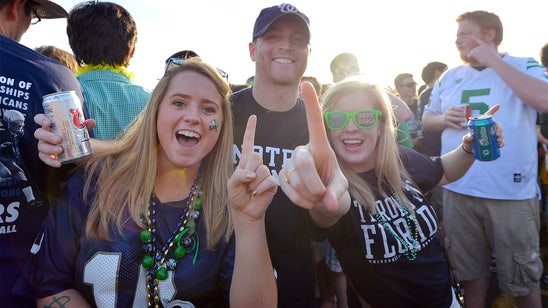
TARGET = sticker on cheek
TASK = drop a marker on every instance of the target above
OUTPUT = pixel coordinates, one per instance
(214, 125)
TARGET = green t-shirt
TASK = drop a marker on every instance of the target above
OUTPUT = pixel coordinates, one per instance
(402, 135)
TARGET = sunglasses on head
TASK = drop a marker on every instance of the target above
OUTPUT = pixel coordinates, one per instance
(364, 119)
(409, 84)
(174, 62)
(348, 71)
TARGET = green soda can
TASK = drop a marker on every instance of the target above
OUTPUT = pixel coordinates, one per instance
(484, 145)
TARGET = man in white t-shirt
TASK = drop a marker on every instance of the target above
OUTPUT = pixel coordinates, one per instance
(494, 207)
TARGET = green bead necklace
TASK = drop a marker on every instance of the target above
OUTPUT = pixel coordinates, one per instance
(184, 238)
(410, 250)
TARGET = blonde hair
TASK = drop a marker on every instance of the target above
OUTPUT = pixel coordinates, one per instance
(388, 167)
(60, 55)
(126, 173)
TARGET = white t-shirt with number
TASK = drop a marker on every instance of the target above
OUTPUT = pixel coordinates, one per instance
(513, 176)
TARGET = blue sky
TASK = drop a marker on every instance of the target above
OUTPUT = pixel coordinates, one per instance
(389, 36)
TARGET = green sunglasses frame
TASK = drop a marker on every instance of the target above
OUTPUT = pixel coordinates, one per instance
(352, 115)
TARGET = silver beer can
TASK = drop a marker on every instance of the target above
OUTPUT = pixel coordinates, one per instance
(64, 109)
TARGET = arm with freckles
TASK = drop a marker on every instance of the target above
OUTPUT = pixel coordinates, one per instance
(251, 189)
(457, 162)
(312, 178)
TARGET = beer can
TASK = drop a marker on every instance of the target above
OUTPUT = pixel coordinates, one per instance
(467, 112)
(484, 144)
(64, 110)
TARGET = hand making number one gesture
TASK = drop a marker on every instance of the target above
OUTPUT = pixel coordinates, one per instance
(251, 187)
(312, 177)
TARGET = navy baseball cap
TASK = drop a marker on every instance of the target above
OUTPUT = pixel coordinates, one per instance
(271, 14)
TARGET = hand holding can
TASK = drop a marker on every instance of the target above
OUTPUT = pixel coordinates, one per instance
(485, 143)
(64, 110)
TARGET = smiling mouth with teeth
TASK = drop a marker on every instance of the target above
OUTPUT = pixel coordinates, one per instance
(187, 137)
(352, 141)
(283, 60)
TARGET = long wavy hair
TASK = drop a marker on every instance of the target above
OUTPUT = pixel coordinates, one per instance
(126, 173)
(388, 166)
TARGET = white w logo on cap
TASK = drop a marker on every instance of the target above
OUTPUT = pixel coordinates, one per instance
(288, 8)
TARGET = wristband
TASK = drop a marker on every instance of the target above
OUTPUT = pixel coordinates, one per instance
(462, 146)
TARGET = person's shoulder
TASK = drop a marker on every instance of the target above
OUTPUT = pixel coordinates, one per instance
(49, 69)
(454, 75)
(241, 95)
(527, 63)
(16, 51)
(140, 90)
(425, 94)
(516, 60)
(508, 57)
(408, 155)
(455, 70)
(241, 98)
(404, 150)
(21, 60)
(40, 74)
(47, 63)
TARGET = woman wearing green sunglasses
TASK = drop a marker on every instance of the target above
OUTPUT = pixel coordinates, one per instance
(368, 192)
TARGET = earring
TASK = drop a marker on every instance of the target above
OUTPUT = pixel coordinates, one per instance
(214, 125)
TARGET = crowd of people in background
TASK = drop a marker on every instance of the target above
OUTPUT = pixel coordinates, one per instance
(277, 192)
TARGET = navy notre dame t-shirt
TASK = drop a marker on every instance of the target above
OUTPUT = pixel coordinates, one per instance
(288, 227)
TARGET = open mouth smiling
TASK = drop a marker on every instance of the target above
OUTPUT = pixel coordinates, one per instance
(352, 141)
(188, 138)
(283, 60)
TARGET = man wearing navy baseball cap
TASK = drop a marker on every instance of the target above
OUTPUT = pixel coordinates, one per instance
(271, 14)
(280, 49)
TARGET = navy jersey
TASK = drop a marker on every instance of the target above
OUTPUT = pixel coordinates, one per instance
(109, 273)
(374, 260)
(26, 184)
(288, 227)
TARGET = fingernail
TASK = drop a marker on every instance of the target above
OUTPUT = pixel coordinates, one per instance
(254, 193)
(250, 175)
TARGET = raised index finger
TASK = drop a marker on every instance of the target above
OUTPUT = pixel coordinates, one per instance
(249, 140)
(314, 117)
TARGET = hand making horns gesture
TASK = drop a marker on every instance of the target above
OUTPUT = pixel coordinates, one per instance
(312, 178)
(251, 187)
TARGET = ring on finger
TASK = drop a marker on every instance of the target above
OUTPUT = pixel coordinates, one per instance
(288, 176)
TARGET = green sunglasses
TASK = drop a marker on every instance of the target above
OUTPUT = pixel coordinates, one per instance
(364, 119)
